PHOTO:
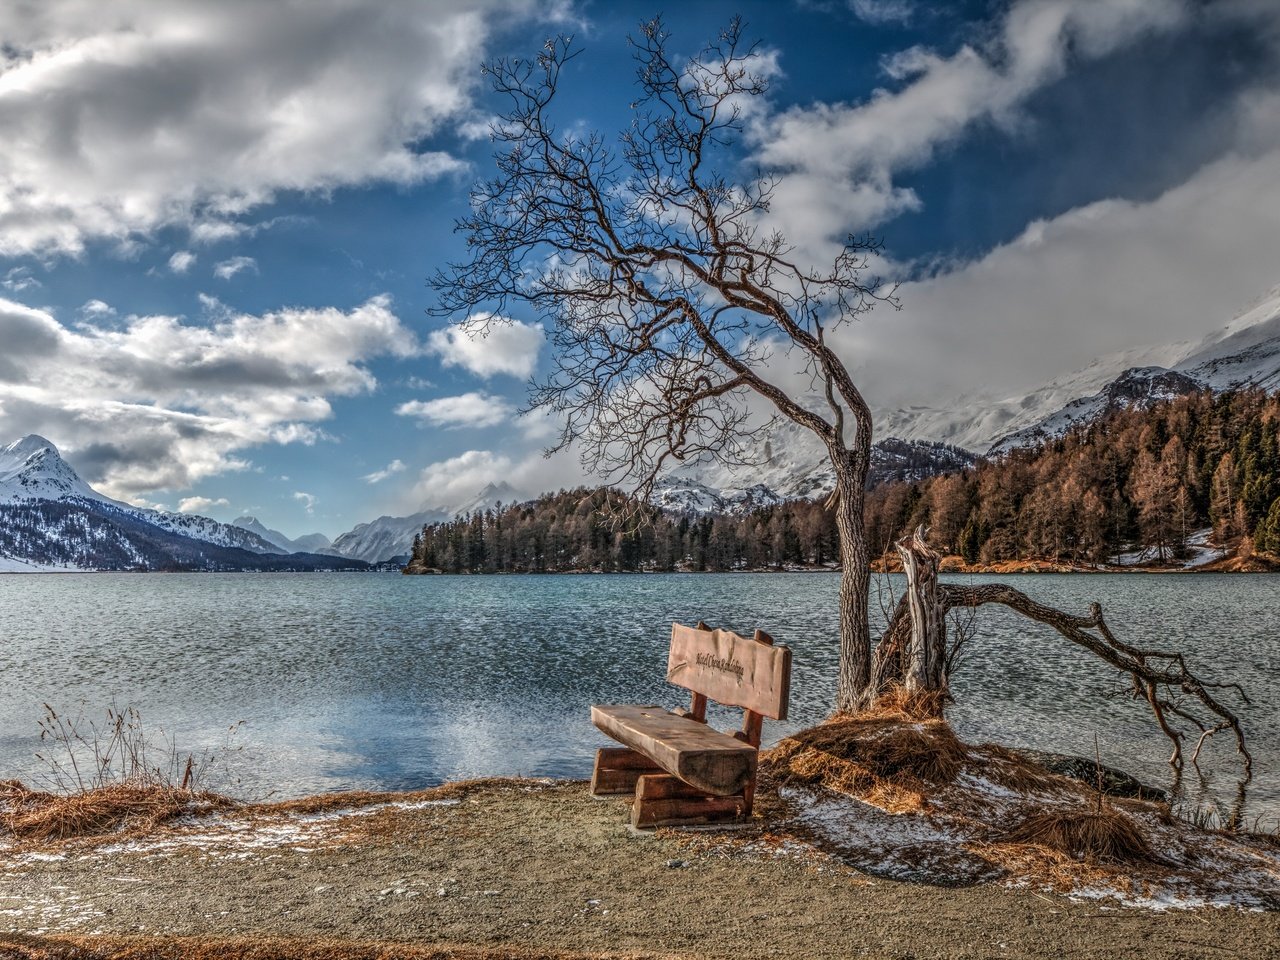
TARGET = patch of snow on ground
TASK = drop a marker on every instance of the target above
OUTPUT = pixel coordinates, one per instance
(903, 846)
(13, 565)
(238, 838)
(1200, 549)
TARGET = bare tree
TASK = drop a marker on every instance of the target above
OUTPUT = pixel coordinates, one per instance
(668, 298)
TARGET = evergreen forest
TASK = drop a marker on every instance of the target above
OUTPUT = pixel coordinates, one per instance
(1135, 481)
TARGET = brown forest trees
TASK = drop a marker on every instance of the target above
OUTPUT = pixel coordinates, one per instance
(668, 298)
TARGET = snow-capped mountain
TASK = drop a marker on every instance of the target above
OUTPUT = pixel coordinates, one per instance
(49, 517)
(1140, 387)
(389, 537)
(1243, 353)
(308, 543)
(929, 440)
(32, 468)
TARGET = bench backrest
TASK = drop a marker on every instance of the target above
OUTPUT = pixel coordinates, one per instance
(733, 670)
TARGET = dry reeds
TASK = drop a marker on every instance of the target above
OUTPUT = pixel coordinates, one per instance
(42, 817)
(109, 778)
(1095, 836)
(897, 703)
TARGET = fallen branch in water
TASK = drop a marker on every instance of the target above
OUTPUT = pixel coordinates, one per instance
(1161, 678)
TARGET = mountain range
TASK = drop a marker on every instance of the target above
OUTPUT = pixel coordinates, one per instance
(50, 517)
(924, 441)
(1243, 353)
(387, 538)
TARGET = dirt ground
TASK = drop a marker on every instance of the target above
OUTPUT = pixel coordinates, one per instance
(528, 869)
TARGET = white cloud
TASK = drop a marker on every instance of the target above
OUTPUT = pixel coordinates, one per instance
(159, 403)
(883, 11)
(467, 410)
(488, 345)
(19, 279)
(390, 470)
(201, 504)
(458, 478)
(121, 118)
(182, 261)
(840, 160)
(97, 310)
(1109, 276)
(307, 500)
(226, 269)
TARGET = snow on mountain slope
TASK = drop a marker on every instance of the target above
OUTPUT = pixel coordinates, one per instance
(77, 533)
(206, 529)
(33, 469)
(791, 463)
(10, 565)
(489, 497)
(1244, 352)
(385, 537)
(1139, 387)
(977, 420)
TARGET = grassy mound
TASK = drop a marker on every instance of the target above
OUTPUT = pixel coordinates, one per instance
(888, 760)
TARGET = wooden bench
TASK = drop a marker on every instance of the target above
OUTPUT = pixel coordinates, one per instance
(681, 770)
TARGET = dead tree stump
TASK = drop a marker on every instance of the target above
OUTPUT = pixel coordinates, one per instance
(926, 654)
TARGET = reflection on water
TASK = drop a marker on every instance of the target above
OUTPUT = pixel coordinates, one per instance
(359, 680)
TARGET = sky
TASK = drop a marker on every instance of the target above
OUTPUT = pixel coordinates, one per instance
(218, 217)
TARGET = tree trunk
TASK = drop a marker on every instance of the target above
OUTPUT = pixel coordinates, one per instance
(926, 666)
(853, 690)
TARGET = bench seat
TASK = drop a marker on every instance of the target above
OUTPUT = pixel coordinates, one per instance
(701, 756)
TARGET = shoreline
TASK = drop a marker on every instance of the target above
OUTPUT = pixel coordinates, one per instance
(535, 868)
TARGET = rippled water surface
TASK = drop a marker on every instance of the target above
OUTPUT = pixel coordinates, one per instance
(383, 681)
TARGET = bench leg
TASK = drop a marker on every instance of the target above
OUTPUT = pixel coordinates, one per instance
(664, 800)
(617, 769)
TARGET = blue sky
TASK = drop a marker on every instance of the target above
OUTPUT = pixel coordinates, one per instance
(217, 219)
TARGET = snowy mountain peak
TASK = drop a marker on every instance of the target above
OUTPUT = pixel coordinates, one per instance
(491, 495)
(20, 450)
(32, 468)
(308, 543)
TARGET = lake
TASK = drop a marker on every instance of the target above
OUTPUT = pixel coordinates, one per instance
(389, 682)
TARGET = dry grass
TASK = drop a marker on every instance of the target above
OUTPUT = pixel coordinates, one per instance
(34, 816)
(1095, 836)
(1015, 772)
(876, 758)
(271, 948)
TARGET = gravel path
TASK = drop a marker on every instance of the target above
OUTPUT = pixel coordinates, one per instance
(528, 869)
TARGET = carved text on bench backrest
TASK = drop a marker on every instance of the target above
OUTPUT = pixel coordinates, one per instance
(730, 669)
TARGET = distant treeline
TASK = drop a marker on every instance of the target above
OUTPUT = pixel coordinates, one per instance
(1134, 479)
(600, 529)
